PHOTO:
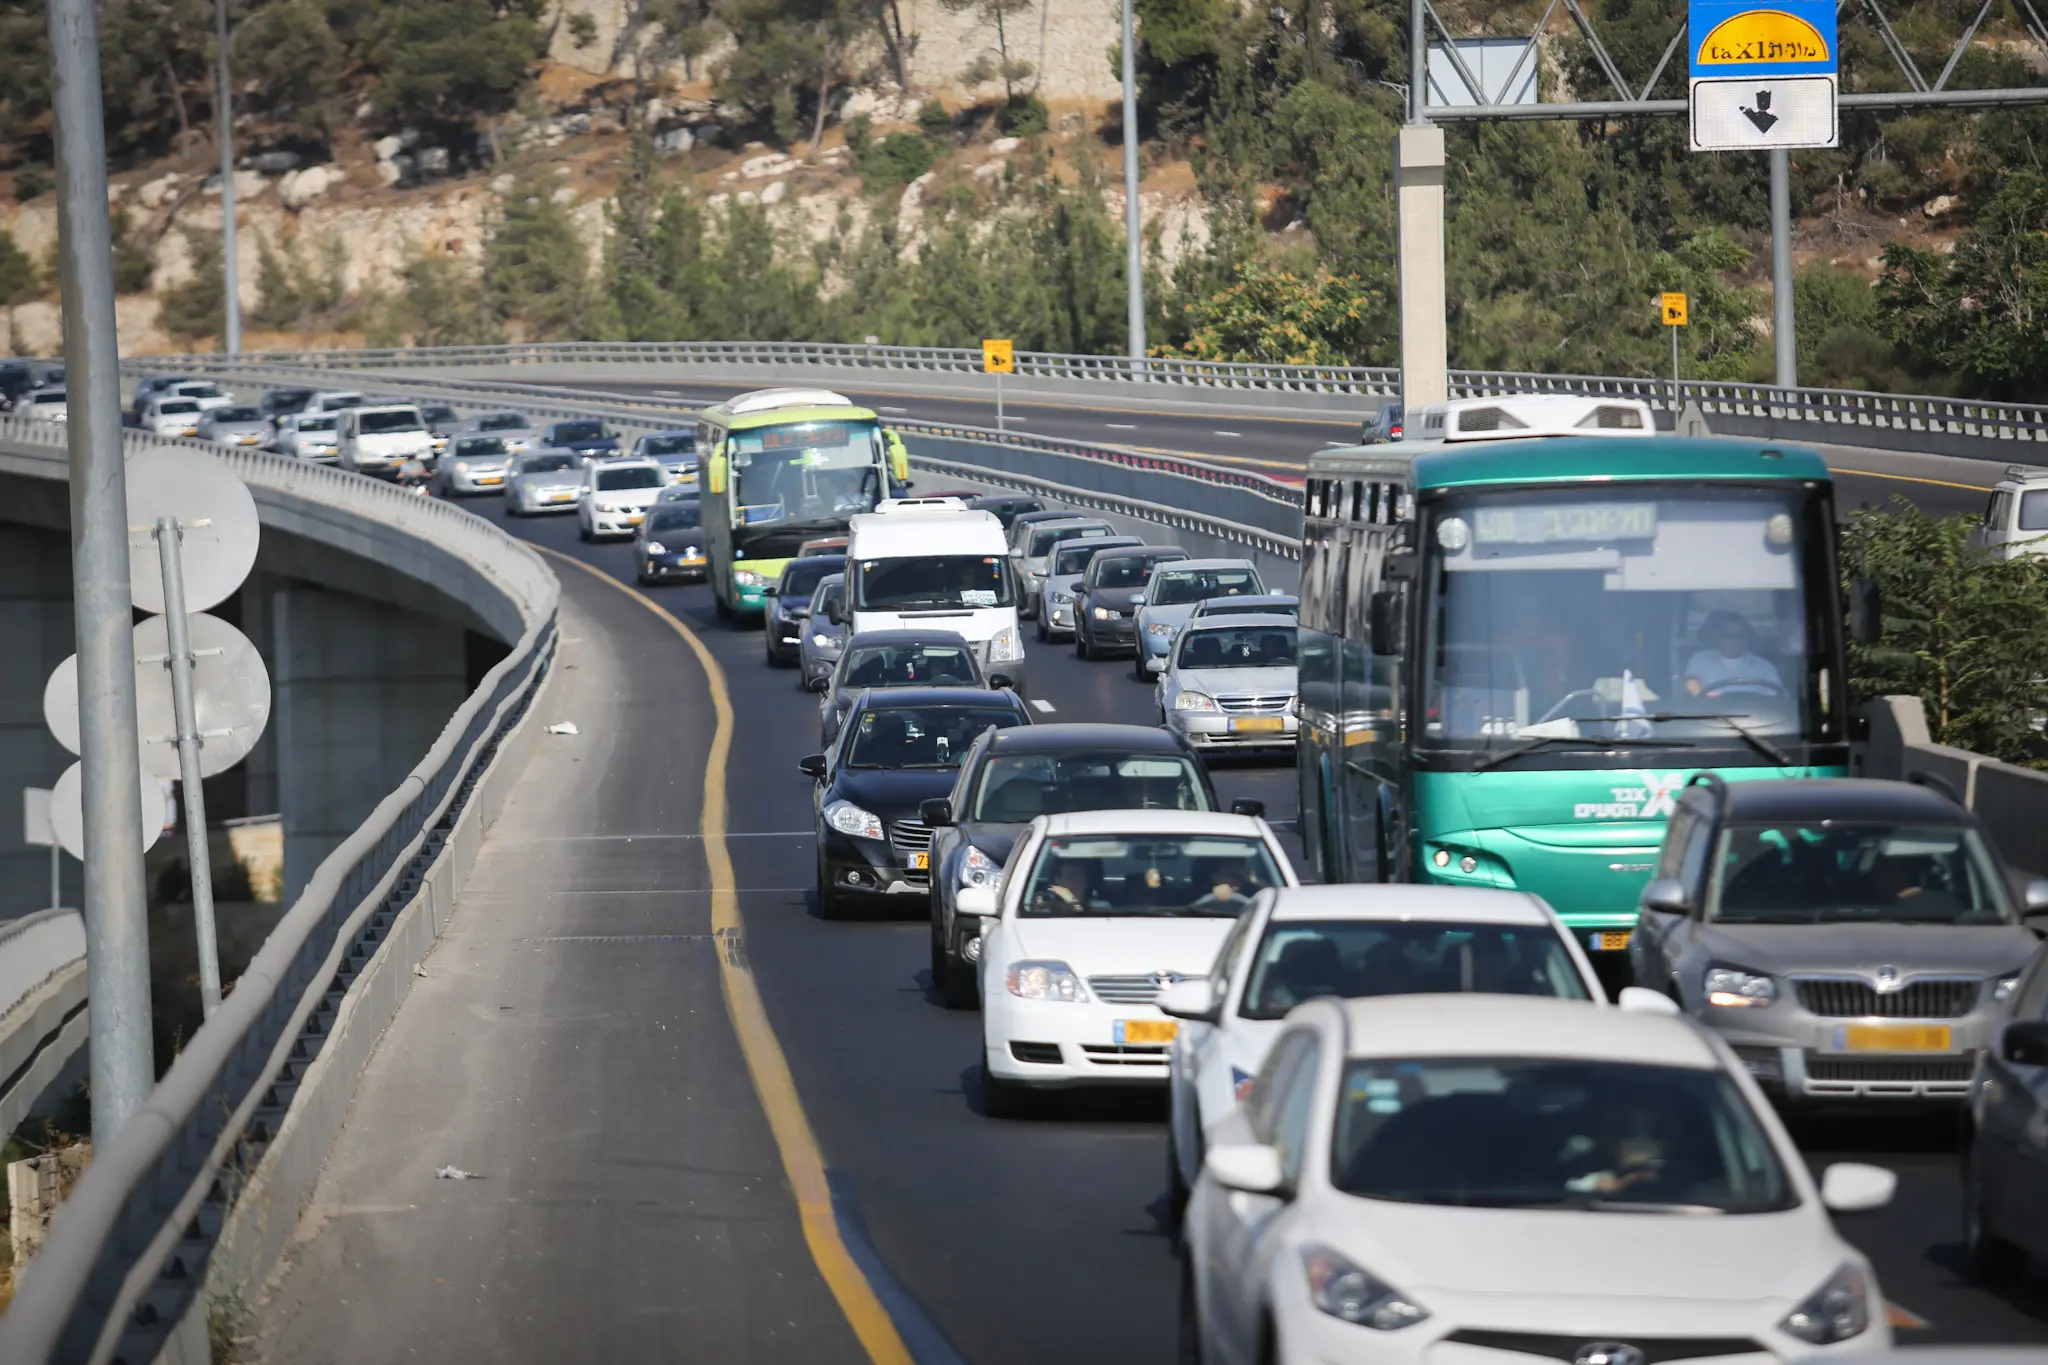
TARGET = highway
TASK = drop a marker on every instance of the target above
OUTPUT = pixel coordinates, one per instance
(568, 1045)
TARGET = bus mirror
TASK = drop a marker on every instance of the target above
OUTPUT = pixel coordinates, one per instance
(1866, 612)
(1385, 622)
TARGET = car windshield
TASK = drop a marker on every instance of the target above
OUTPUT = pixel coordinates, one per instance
(936, 736)
(1040, 542)
(1015, 788)
(829, 594)
(675, 516)
(317, 423)
(579, 431)
(197, 391)
(668, 445)
(1546, 1133)
(1071, 559)
(1176, 587)
(919, 665)
(1238, 647)
(546, 464)
(1227, 607)
(502, 421)
(814, 471)
(58, 396)
(388, 423)
(336, 401)
(1125, 571)
(438, 412)
(802, 575)
(1088, 875)
(1841, 872)
(221, 415)
(1299, 960)
(612, 480)
(479, 447)
(1656, 614)
(932, 582)
(175, 406)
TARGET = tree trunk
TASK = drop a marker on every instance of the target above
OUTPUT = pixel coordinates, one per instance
(178, 103)
(824, 90)
(891, 24)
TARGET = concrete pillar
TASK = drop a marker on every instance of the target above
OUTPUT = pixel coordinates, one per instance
(361, 690)
(37, 634)
(1419, 175)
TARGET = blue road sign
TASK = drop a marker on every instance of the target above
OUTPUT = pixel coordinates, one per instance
(1768, 38)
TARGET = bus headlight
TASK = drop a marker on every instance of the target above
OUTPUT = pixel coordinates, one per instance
(747, 578)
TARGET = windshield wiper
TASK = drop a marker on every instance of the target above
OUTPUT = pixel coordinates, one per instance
(1492, 761)
(1749, 736)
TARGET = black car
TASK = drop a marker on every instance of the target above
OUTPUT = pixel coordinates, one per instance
(900, 747)
(1007, 506)
(668, 544)
(587, 436)
(284, 403)
(2005, 1128)
(1106, 607)
(789, 606)
(880, 659)
(1012, 777)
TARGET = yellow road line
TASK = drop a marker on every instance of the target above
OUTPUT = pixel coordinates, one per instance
(802, 1162)
(1911, 478)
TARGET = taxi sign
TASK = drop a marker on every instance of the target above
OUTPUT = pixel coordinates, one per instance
(1673, 309)
(1763, 74)
(998, 357)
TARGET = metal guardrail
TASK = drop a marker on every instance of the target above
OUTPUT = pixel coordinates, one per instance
(129, 1252)
(42, 1006)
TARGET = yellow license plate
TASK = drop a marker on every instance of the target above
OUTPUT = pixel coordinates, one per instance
(1611, 941)
(489, 478)
(1894, 1038)
(1257, 725)
(636, 519)
(920, 862)
(561, 497)
(1143, 1031)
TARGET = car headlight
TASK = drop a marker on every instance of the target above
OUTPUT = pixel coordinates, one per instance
(824, 641)
(1159, 628)
(1836, 1311)
(747, 578)
(1059, 597)
(1341, 1289)
(462, 466)
(1005, 648)
(655, 547)
(1044, 981)
(2001, 989)
(978, 869)
(1733, 988)
(1105, 614)
(1194, 701)
(848, 818)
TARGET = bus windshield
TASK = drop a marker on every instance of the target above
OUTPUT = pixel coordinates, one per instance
(1646, 615)
(816, 471)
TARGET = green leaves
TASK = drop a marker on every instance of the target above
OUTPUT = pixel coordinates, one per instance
(1277, 316)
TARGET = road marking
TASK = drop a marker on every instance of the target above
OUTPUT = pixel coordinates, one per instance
(899, 411)
(1905, 1318)
(1237, 435)
(1121, 426)
(1042, 704)
(1911, 478)
(802, 1162)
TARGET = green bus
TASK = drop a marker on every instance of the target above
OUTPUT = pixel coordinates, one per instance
(783, 466)
(1516, 652)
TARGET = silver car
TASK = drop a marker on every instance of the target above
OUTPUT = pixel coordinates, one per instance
(1170, 600)
(475, 464)
(170, 415)
(543, 481)
(513, 428)
(309, 435)
(46, 405)
(817, 652)
(238, 426)
(1852, 940)
(1065, 569)
(1232, 684)
(1031, 545)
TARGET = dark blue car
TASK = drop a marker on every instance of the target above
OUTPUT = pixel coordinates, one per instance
(588, 437)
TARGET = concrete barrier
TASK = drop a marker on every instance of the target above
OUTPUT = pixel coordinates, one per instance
(2011, 801)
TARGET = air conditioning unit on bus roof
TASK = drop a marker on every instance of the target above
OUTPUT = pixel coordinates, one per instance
(1517, 416)
(768, 400)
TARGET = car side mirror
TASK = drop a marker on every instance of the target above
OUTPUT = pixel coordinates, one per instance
(771, 590)
(1386, 623)
(819, 684)
(1248, 805)
(1853, 1187)
(1194, 1001)
(799, 613)
(2025, 1043)
(1136, 598)
(1000, 680)
(836, 614)
(812, 766)
(1666, 895)
(2035, 897)
(937, 812)
(1866, 612)
(1251, 1167)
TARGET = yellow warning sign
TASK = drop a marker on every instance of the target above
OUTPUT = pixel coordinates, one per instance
(1673, 309)
(998, 357)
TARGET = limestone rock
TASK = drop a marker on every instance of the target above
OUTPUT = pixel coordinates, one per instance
(774, 193)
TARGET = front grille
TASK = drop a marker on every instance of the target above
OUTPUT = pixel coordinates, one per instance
(1549, 1346)
(1043, 1054)
(1896, 1070)
(1125, 990)
(1129, 1055)
(1847, 999)
(1273, 701)
(910, 836)
(1761, 1062)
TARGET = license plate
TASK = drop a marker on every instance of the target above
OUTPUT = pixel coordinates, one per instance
(489, 478)
(1894, 1038)
(920, 862)
(247, 440)
(693, 559)
(636, 519)
(1257, 725)
(1611, 941)
(1141, 1031)
(561, 497)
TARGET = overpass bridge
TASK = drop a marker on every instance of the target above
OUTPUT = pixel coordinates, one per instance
(705, 1121)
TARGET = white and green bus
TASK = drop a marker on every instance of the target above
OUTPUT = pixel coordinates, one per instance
(783, 466)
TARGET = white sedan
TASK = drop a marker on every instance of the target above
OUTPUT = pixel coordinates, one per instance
(1350, 942)
(615, 496)
(1102, 911)
(1473, 1178)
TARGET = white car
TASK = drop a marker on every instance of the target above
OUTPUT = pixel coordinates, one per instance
(205, 392)
(1350, 942)
(169, 415)
(46, 405)
(1444, 1179)
(308, 436)
(1231, 683)
(1100, 912)
(381, 439)
(334, 400)
(615, 496)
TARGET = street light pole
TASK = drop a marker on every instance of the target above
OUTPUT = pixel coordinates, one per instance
(115, 909)
(224, 125)
(1783, 338)
(1134, 246)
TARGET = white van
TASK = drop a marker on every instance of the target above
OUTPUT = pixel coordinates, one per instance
(380, 440)
(945, 568)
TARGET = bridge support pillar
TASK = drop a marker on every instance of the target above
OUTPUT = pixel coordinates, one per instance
(1419, 175)
(361, 689)
(36, 626)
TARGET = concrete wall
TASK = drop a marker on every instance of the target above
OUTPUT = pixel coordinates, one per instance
(36, 635)
(2012, 802)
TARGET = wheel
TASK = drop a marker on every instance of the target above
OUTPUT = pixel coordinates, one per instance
(1992, 1259)
(1080, 644)
(831, 903)
(953, 975)
(583, 532)
(1001, 1099)
(1138, 670)
(1044, 635)
(720, 605)
(1176, 1185)
(768, 648)
(1188, 1337)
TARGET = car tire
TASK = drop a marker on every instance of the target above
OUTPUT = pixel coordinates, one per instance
(1992, 1259)
(1177, 1190)
(831, 903)
(1080, 643)
(1001, 1099)
(953, 976)
(1138, 670)
(583, 532)
(1187, 1346)
(722, 607)
(1044, 635)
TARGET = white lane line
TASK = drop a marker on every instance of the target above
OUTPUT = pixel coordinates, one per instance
(879, 408)
(1237, 434)
(1121, 426)
(1339, 443)
(1042, 704)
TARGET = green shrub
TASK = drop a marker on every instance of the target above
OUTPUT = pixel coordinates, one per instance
(859, 129)
(933, 118)
(31, 180)
(1024, 116)
(897, 159)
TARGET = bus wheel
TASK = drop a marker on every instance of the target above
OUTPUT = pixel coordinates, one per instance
(723, 607)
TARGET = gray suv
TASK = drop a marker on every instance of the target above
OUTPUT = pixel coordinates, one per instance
(1851, 940)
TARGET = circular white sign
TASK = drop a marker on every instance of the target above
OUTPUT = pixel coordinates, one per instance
(190, 486)
(67, 810)
(230, 693)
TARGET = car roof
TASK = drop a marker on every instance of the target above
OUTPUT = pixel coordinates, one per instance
(1212, 564)
(1153, 822)
(1044, 515)
(1142, 552)
(1397, 901)
(1479, 1025)
(1839, 798)
(976, 698)
(386, 407)
(1245, 599)
(690, 432)
(1097, 544)
(924, 635)
(1071, 736)
(1204, 625)
(834, 560)
(626, 462)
